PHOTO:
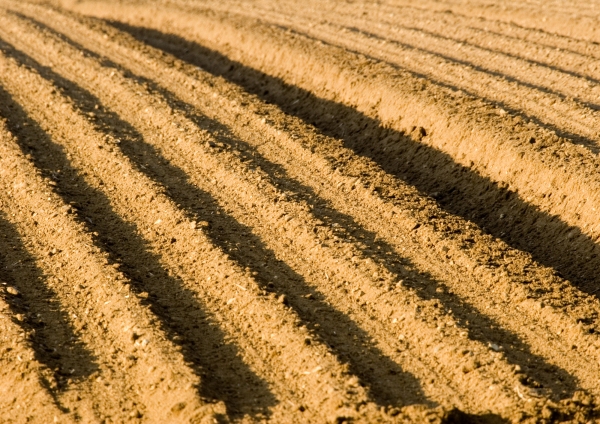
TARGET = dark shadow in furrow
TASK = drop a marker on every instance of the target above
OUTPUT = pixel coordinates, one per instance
(387, 382)
(224, 376)
(587, 58)
(552, 35)
(36, 309)
(575, 138)
(533, 62)
(483, 48)
(569, 39)
(457, 188)
(481, 328)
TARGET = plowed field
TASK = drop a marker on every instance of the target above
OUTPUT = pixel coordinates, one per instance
(299, 211)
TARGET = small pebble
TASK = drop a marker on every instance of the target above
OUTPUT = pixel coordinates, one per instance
(283, 299)
(13, 291)
(178, 407)
(135, 414)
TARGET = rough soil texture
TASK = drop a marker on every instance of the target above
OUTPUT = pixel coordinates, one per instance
(299, 211)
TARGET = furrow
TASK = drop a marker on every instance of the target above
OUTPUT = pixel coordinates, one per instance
(540, 36)
(296, 237)
(401, 25)
(297, 371)
(190, 97)
(25, 384)
(579, 50)
(108, 328)
(230, 186)
(527, 87)
(517, 165)
(543, 36)
(272, 212)
(559, 45)
(86, 287)
(574, 23)
(472, 50)
(541, 46)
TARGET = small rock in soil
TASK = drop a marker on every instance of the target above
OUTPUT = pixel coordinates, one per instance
(13, 291)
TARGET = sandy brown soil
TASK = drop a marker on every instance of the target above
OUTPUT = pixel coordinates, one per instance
(317, 211)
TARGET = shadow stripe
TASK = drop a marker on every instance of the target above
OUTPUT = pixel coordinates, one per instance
(182, 315)
(388, 384)
(53, 338)
(458, 189)
(480, 327)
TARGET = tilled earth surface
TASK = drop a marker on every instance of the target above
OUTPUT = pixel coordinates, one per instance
(299, 211)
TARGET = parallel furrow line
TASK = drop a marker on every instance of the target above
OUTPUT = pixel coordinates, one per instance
(306, 221)
(392, 23)
(93, 294)
(539, 172)
(23, 380)
(268, 207)
(310, 368)
(526, 87)
(319, 173)
(570, 23)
